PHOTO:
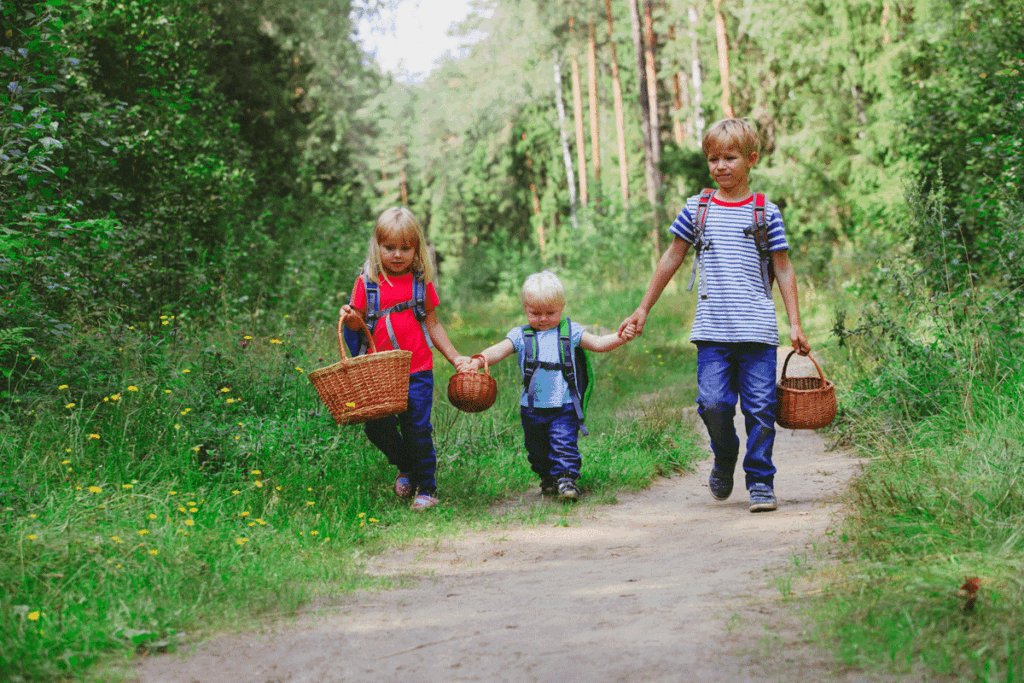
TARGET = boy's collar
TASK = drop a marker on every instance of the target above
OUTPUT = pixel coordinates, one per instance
(725, 202)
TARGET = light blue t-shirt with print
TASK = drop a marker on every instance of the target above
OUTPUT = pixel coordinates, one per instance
(550, 387)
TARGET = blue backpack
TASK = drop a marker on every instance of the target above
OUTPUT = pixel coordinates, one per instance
(574, 365)
(355, 342)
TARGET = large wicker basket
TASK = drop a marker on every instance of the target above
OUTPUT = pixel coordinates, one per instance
(805, 402)
(472, 392)
(366, 387)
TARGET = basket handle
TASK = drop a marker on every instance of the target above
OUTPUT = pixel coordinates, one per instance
(483, 358)
(786, 364)
(362, 328)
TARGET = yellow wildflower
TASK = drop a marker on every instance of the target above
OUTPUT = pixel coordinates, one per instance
(94, 436)
(244, 513)
(132, 387)
(189, 522)
(256, 472)
(70, 405)
(31, 537)
(143, 532)
(225, 390)
(241, 541)
(154, 551)
(62, 387)
(33, 616)
(276, 341)
(95, 489)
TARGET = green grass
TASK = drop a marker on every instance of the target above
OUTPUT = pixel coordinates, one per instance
(164, 477)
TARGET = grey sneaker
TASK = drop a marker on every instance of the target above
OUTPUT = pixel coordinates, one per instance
(567, 489)
(762, 498)
(720, 483)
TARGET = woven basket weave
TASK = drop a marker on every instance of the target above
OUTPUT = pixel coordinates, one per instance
(473, 392)
(805, 402)
(366, 387)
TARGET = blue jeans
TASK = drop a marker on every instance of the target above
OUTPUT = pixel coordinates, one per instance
(747, 370)
(552, 436)
(406, 439)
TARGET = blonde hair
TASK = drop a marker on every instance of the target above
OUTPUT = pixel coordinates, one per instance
(398, 223)
(737, 133)
(543, 289)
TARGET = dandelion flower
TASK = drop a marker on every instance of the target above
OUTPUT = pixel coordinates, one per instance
(350, 404)
(70, 405)
(241, 541)
(33, 616)
(309, 502)
(143, 532)
(224, 390)
(33, 515)
(163, 317)
(189, 522)
(94, 436)
(116, 539)
(117, 397)
(256, 472)
(126, 486)
(31, 537)
(259, 484)
(314, 533)
(65, 462)
(154, 551)
(152, 516)
(196, 448)
(231, 400)
(361, 515)
(185, 371)
(276, 341)
(373, 521)
(192, 502)
(299, 370)
(193, 509)
(167, 391)
(62, 387)
(181, 509)
(244, 513)
(95, 489)
(235, 492)
(260, 521)
(173, 493)
(163, 323)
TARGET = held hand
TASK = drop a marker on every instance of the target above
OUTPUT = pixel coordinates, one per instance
(636, 322)
(474, 365)
(464, 364)
(347, 313)
(799, 340)
(628, 333)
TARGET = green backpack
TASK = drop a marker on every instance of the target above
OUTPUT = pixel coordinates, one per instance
(574, 364)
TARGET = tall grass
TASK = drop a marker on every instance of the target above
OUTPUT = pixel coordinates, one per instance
(167, 477)
(933, 396)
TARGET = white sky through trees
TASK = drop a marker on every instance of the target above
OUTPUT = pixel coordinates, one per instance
(411, 37)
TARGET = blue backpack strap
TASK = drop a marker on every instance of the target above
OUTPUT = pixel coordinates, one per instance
(356, 343)
(759, 231)
(419, 308)
(531, 363)
(418, 304)
(699, 245)
(568, 362)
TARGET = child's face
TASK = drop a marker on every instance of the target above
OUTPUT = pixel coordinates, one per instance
(397, 255)
(543, 316)
(729, 167)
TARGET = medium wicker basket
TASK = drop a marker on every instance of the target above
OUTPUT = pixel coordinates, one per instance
(805, 402)
(366, 387)
(473, 392)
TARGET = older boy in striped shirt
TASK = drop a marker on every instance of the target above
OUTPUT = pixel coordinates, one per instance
(734, 327)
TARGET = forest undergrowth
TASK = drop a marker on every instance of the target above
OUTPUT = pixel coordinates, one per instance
(176, 479)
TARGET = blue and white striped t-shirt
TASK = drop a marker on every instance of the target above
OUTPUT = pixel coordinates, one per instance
(736, 309)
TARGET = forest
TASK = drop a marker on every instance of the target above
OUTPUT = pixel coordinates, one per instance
(187, 188)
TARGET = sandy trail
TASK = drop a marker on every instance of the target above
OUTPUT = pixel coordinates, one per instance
(667, 585)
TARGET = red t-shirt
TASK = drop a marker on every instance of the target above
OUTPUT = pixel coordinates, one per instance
(408, 330)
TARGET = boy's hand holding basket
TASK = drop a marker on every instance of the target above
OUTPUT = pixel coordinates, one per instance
(805, 402)
(365, 387)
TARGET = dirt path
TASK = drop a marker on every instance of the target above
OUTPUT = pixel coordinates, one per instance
(668, 585)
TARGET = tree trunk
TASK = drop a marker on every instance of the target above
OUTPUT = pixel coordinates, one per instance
(698, 81)
(652, 104)
(581, 143)
(536, 205)
(650, 133)
(566, 155)
(595, 137)
(723, 60)
(620, 119)
(680, 100)
(886, 38)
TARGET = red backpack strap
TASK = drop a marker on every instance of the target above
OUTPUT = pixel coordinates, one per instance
(699, 245)
(759, 231)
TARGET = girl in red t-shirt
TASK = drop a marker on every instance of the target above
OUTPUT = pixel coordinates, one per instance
(397, 254)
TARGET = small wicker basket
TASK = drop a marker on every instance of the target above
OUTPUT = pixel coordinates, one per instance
(805, 402)
(366, 387)
(473, 392)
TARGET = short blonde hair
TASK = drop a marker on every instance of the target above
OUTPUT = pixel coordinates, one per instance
(543, 289)
(737, 133)
(398, 223)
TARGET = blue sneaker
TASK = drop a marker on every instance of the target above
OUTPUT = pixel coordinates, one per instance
(567, 489)
(720, 483)
(762, 498)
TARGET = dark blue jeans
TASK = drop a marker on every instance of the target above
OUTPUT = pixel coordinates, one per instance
(552, 436)
(406, 439)
(746, 370)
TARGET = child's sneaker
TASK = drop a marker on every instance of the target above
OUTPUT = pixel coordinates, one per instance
(548, 486)
(720, 483)
(762, 498)
(567, 489)
(424, 501)
(403, 487)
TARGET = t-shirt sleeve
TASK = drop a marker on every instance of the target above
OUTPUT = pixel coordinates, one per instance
(575, 334)
(515, 335)
(683, 225)
(358, 299)
(432, 299)
(776, 229)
